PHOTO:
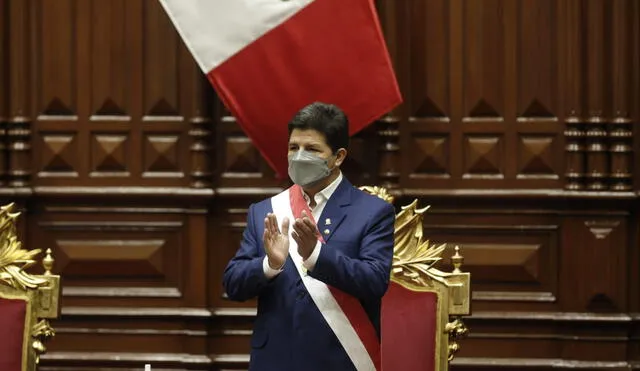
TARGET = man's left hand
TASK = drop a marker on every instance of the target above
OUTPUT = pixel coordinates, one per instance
(305, 233)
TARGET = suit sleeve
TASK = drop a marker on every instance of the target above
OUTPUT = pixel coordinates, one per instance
(244, 276)
(367, 276)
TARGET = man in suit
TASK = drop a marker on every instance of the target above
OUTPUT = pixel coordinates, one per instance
(317, 256)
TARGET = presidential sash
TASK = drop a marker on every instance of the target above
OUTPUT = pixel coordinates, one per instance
(344, 313)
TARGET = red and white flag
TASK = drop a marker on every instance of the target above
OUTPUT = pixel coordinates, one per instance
(269, 58)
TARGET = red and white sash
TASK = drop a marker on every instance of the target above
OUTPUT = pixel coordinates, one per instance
(344, 313)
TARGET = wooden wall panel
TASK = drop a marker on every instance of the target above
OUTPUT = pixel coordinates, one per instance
(4, 93)
(479, 110)
(517, 127)
(510, 262)
(119, 99)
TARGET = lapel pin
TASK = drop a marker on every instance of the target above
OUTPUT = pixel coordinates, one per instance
(327, 221)
(326, 231)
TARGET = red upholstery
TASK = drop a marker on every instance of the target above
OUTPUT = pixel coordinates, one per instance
(408, 330)
(12, 320)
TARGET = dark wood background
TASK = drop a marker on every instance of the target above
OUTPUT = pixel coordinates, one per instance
(518, 127)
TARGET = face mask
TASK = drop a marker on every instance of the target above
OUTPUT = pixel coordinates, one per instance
(306, 169)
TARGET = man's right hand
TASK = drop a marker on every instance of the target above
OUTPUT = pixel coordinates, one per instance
(276, 242)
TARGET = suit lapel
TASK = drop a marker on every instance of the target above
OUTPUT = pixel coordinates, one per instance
(335, 210)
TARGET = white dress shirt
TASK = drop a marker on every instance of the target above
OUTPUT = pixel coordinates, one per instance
(321, 199)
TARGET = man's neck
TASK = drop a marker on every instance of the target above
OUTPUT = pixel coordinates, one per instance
(311, 191)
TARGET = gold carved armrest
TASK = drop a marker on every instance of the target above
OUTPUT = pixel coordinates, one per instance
(414, 260)
(42, 292)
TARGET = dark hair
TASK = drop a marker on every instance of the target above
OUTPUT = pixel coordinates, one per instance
(327, 119)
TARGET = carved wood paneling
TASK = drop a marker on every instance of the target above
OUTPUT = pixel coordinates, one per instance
(118, 254)
(572, 67)
(18, 128)
(620, 130)
(474, 94)
(596, 245)
(118, 98)
(506, 265)
(517, 127)
(634, 78)
(200, 132)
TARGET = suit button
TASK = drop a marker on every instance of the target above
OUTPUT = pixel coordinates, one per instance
(301, 294)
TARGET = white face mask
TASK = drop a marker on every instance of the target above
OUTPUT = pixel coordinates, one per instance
(305, 168)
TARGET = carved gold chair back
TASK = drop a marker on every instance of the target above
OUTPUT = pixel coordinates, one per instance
(421, 320)
(27, 301)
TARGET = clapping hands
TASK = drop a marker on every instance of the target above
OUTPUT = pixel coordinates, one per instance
(276, 242)
(305, 233)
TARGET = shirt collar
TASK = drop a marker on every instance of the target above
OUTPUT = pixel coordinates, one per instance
(328, 191)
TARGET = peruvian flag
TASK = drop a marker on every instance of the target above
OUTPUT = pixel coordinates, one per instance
(269, 58)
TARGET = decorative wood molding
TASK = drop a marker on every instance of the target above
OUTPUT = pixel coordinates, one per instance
(552, 316)
(82, 311)
(520, 296)
(122, 292)
(124, 358)
(537, 364)
(18, 125)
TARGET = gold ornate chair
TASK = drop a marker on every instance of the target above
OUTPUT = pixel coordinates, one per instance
(27, 301)
(421, 311)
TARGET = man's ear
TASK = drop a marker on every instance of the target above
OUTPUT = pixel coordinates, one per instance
(341, 155)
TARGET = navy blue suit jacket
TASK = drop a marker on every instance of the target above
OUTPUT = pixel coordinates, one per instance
(289, 333)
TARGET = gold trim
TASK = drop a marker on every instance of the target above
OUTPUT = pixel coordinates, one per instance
(413, 257)
(41, 332)
(42, 292)
(13, 259)
(378, 192)
(414, 261)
